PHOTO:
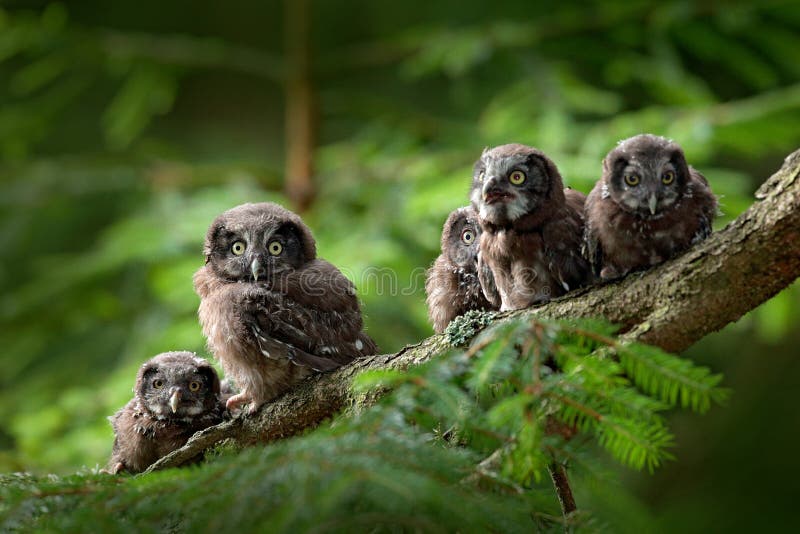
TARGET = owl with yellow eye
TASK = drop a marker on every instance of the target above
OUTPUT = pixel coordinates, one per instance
(452, 285)
(176, 394)
(648, 206)
(272, 312)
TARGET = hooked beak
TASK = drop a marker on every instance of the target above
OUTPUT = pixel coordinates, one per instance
(492, 193)
(653, 202)
(174, 400)
(488, 186)
(256, 269)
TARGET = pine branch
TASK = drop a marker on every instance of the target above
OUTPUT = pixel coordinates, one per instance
(559, 476)
(670, 306)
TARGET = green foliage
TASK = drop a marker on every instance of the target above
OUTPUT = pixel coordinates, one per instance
(125, 130)
(462, 443)
(536, 381)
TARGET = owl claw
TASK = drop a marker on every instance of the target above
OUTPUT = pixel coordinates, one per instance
(237, 401)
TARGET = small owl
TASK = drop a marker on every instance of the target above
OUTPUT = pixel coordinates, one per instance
(532, 228)
(452, 286)
(272, 312)
(648, 206)
(176, 394)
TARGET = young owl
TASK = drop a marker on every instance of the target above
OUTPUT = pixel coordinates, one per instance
(648, 206)
(272, 312)
(176, 394)
(452, 286)
(532, 228)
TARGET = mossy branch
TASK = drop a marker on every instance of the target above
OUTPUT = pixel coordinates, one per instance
(670, 306)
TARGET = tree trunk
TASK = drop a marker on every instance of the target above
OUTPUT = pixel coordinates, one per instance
(300, 120)
(671, 306)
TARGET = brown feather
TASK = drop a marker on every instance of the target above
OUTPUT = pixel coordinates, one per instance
(531, 239)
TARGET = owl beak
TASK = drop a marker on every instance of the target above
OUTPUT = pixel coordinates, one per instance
(492, 192)
(653, 202)
(174, 400)
(257, 269)
(489, 186)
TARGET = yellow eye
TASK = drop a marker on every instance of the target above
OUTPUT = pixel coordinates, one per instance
(632, 179)
(275, 248)
(468, 237)
(517, 178)
(481, 175)
(238, 248)
(158, 383)
(668, 177)
(194, 386)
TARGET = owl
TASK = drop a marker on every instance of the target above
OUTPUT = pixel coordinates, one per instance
(271, 311)
(452, 285)
(648, 206)
(176, 394)
(532, 228)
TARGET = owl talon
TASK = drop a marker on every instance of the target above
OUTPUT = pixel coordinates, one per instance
(235, 402)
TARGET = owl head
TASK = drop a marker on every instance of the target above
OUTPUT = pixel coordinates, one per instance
(510, 181)
(646, 175)
(177, 385)
(460, 237)
(257, 242)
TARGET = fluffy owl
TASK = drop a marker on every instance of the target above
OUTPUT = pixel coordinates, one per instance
(648, 206)
(532, 228)
(452, 285)
(176, 394)
(272, 312)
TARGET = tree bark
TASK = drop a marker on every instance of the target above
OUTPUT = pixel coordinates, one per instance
(671, 306)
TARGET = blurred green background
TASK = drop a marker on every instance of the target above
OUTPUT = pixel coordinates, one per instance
(125, 127)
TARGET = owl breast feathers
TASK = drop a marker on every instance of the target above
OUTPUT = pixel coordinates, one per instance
(271, 311)
(176, 394)
(532, 228)
(452, 285)
(648, 206)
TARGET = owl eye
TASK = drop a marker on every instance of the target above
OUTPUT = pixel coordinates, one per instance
(275, 248)
(517, 178)
(668, 177)
(481, 175)
(632, 179)
(238, 248)
(467, 237)
(194, 386)
(158, 383)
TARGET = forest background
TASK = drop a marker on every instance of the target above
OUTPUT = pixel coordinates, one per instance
(125, 127)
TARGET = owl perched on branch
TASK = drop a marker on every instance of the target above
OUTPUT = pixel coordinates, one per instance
(532, 228)
(648, 206)
(272, 312)
(176, 394)
(452, 285)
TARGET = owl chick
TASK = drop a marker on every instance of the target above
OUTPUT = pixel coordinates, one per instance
(648, 206)
(532, 228)
(176, 394)
(452, 285)
(272, 312)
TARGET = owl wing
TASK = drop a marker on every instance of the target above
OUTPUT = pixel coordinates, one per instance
(563, 241)
(486, 278)
(316, 322)
(701, 192)
(441, 288)
(591, 247)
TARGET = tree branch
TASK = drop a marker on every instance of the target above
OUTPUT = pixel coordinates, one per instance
(671, 306)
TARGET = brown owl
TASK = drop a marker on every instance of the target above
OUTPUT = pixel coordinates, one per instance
(176, 394)
(272, 312)
(452, 286)
(532, 227)
(648, 206)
